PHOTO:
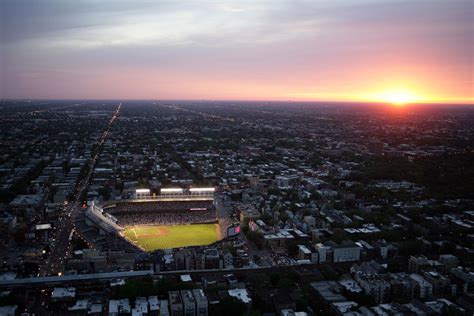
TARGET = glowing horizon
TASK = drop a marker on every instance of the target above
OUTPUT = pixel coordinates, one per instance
(388, 51)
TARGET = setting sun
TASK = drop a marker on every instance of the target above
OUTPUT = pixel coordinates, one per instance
(398, 97)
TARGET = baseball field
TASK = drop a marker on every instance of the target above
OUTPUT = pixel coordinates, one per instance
(165, 237)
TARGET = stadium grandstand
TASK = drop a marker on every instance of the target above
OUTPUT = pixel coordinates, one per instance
(104, 221)
(171, 208)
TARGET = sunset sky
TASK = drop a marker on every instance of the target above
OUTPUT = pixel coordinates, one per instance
(355, 50)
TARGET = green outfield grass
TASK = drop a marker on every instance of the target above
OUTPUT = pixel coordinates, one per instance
(164, 237)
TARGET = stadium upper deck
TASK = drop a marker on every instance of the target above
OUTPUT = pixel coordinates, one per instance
(175, 194)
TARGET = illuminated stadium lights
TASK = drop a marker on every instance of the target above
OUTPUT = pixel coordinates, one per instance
(171, 190)
(202, 190)
(142, 191)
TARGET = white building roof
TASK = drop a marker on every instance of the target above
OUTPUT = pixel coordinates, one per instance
(240, 294)
(304, 249)
(154, 303)
(185, 278)
(61, 292)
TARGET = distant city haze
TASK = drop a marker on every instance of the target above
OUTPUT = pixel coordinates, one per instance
(420, 51)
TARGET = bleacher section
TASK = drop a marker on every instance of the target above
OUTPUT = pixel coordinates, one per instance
(164, 213)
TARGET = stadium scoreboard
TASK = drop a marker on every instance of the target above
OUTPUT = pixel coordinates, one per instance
(233, 230)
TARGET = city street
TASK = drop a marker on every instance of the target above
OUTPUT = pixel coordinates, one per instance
(61, 247)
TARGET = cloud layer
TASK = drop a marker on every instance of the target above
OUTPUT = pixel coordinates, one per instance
(334, 50)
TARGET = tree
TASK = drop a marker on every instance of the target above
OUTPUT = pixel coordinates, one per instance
(258, 280)
(411, 247)
(6, 196)
(273, 191)
(134, 288)
(292, 248)
(256, 238)
(105, 192)
(329, 273)
(274, 279)
(9, 299)
(231, 306)
(339, 235)
(284, 217)
(167, 284)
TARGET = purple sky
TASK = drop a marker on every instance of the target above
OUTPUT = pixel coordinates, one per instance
(276, 50)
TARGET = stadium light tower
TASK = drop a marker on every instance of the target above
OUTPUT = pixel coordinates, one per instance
(171, 191)
(202, 191)
(142, 193)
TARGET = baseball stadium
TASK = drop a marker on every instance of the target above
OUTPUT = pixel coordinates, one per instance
(173, 219)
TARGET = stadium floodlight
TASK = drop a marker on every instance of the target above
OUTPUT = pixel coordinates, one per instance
(171, 190)
(202, 190)
(142, 191)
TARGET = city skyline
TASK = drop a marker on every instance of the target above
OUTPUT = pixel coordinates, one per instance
(379, 51)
